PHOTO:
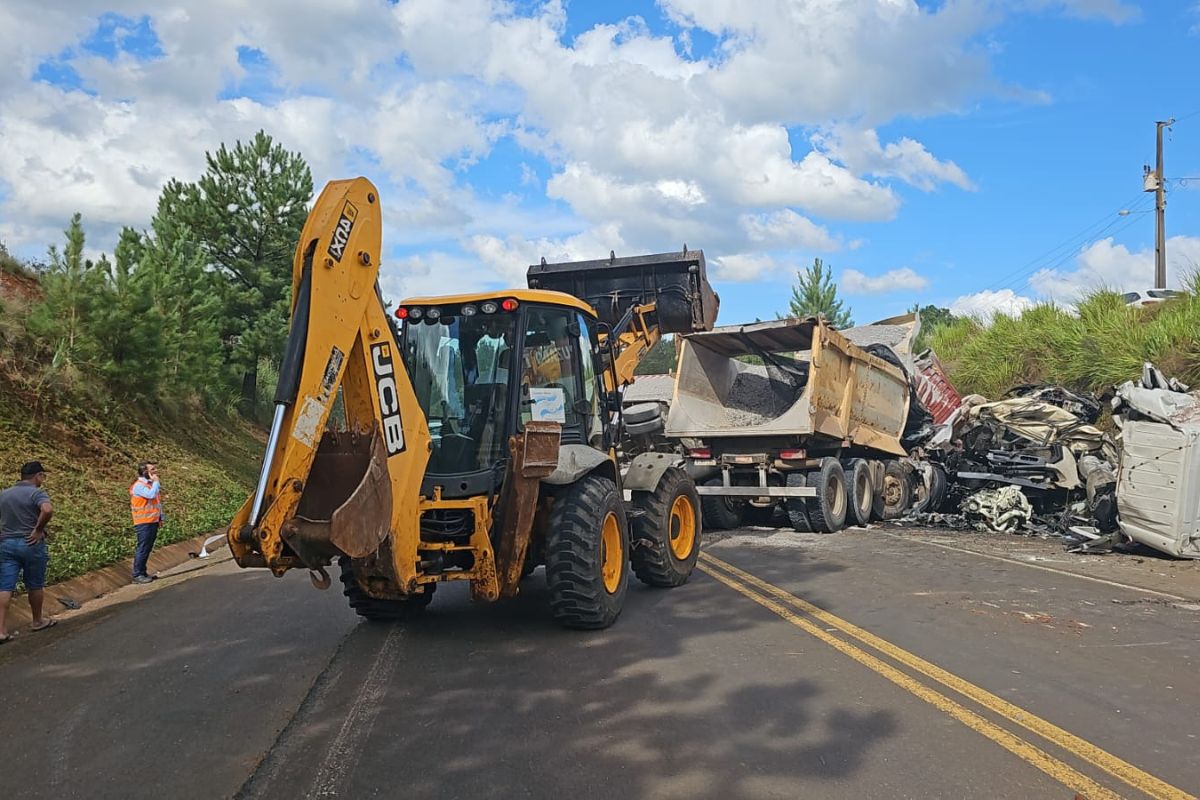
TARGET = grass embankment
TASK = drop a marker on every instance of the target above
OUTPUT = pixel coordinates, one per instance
(91, 446)
(1105, 342)
(207, 469)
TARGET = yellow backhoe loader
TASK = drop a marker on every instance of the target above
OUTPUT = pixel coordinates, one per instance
(478, 437)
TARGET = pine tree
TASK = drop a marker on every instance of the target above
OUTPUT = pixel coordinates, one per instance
(245, 215)
(186, 295)
(815, 294)
(58, 317)
(122, 331)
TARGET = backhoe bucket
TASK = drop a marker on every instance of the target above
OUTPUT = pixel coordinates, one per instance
(346, 505)
(677, 283)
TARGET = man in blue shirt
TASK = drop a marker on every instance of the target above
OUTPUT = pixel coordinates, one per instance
(24, 511)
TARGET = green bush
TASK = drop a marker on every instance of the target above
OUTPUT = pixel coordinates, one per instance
(1104, 342)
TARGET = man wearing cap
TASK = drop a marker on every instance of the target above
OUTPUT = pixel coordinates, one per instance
(145, 503)
(24, 511)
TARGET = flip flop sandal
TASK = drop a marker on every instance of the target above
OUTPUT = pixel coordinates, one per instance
(50, 623)
(8, 638)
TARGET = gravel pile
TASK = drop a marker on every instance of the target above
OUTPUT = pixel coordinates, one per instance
(753, 399)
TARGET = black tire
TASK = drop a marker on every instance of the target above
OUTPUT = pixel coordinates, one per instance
(576, 554)
(375, 609)
(759, 515)
(719, 512)
(860, 492)
(827, 511)
(893, 497)
(930, 500)
(797, 507)
(663, 551)
(647, 428)
(642, 412)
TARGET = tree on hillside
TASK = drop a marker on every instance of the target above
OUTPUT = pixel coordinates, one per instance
(66, 295)
(931, 318)
(123, 331)
(245, 214)
(815, 294)
(186, 295)
(660, 360)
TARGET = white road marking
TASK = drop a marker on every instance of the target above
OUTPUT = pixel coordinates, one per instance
(343, 754)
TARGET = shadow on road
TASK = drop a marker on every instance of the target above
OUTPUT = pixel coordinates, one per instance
(688, 695)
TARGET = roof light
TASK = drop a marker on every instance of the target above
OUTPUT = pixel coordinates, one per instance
(509, 304)
(489, 307)
(433, 313)
(415, 313)
(402, 313)
(468, 311)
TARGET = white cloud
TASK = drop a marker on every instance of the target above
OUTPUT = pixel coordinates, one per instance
(786, 228)
(1107, 265)
(896, 280)
(647, 146)
(907, 159)
(742, 267)
(986, 304)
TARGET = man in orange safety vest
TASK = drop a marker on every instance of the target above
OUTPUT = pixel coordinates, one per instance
(145, 502)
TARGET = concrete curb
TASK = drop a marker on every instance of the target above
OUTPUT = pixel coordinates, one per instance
(91, 585)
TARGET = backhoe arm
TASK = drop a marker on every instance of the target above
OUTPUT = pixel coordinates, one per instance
(324, 494)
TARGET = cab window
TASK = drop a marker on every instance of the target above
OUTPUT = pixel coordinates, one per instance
(550, 381)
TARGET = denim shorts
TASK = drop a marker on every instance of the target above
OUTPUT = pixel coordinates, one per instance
(27, 559)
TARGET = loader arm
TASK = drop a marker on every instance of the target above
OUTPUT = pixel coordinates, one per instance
(323, 494)
(638, 299)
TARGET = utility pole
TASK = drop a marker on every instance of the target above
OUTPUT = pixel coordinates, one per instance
(1154, 182)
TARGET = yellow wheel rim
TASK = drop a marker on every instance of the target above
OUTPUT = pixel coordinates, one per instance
(612, 555)
(683, 527)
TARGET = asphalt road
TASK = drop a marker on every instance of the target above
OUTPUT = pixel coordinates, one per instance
(848, 666)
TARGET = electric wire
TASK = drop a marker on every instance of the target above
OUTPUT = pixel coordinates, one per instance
(1071, 245)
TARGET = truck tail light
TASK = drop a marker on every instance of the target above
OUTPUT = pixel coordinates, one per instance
(699, 452)
(792, 455)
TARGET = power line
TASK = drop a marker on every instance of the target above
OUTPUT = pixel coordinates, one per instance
(1056, 265)
(1089, 233)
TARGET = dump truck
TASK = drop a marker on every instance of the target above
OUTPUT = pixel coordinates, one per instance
(791, 412)
(478, 432)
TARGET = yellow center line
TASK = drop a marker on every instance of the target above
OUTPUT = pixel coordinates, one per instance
(1126, 772)
(1059, 771)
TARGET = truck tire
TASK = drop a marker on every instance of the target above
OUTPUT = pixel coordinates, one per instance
(642, 412)
(930, 500)
(587, 554)
(797, 507)
(720, 513)
(647, 428)
(894, 496)
(759, 515)
(827, 511)
(375, 609)
(666, 536)
(860, 491)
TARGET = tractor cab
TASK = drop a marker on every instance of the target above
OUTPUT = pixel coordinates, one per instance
(484, 366)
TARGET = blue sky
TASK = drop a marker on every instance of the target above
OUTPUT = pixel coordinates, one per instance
(969, 154)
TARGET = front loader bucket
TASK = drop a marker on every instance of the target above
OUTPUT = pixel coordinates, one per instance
(677, 283)
(346, 505)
